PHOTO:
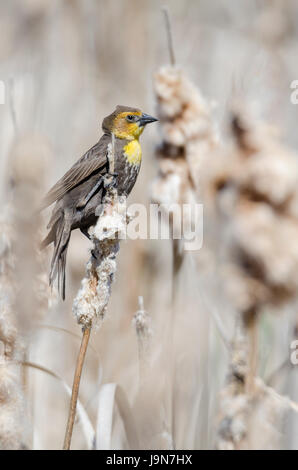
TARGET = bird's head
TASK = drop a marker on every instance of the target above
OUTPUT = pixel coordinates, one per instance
(126, 123)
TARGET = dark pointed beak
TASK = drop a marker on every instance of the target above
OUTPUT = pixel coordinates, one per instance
(146, 119)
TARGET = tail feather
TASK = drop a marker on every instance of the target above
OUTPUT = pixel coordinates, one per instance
(62, 233)
(55, 257)
(61, 272)
(52, 227)
(48, 239)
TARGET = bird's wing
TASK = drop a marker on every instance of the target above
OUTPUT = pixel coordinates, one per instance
(93, 160)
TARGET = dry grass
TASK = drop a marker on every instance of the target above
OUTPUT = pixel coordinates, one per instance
(194, 352)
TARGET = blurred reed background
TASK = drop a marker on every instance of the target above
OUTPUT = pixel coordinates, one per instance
(187, 363)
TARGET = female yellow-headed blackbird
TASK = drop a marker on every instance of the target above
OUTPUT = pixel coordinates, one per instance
(80, 191)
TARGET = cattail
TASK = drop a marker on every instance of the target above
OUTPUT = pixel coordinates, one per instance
(23, 288)
(90, 304)
(11, 404)
(253, 190)
(251, 194)
(188, 136)
(142, 323)
(30, 156)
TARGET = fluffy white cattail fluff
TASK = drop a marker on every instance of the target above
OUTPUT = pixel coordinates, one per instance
(188, 137)
(11, 425)
(92, 299)
(30, 157)
(249, 422)
(142, 323)
(24, 293)
(252, 194)
(252, 187)
(91, 302)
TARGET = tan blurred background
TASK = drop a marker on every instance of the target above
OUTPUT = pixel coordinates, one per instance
(66, 64)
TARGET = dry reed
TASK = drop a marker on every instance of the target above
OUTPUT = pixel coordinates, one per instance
(252, 188)
(90, 304)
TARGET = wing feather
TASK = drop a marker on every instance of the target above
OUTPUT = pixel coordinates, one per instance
(93, 160)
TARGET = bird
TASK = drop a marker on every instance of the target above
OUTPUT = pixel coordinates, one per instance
(81, 190)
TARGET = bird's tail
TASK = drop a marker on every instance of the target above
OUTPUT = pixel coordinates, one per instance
(60, 235)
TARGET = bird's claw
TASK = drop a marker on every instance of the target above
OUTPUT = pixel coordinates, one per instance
(110, 180)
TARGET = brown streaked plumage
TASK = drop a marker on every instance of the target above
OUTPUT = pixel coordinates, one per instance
(80, 191)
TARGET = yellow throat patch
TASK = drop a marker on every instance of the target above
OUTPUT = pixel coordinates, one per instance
(133, 152)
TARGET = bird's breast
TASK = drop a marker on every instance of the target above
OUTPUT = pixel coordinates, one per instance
(133, 152)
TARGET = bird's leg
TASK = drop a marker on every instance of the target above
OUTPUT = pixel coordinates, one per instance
(110, 180)
(85, 199)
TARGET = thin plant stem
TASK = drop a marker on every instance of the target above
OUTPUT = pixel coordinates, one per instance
(253, 355)
(169, 35)
(177, 259)
(75, 388)
(12, 107)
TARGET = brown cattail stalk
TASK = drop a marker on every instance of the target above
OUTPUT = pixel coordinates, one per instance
(75, 388)
(90, 304)
(187, 137)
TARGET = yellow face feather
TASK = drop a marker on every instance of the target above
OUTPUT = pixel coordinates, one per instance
(122, 129)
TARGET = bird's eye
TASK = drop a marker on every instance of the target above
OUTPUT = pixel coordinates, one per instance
(130, 118)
